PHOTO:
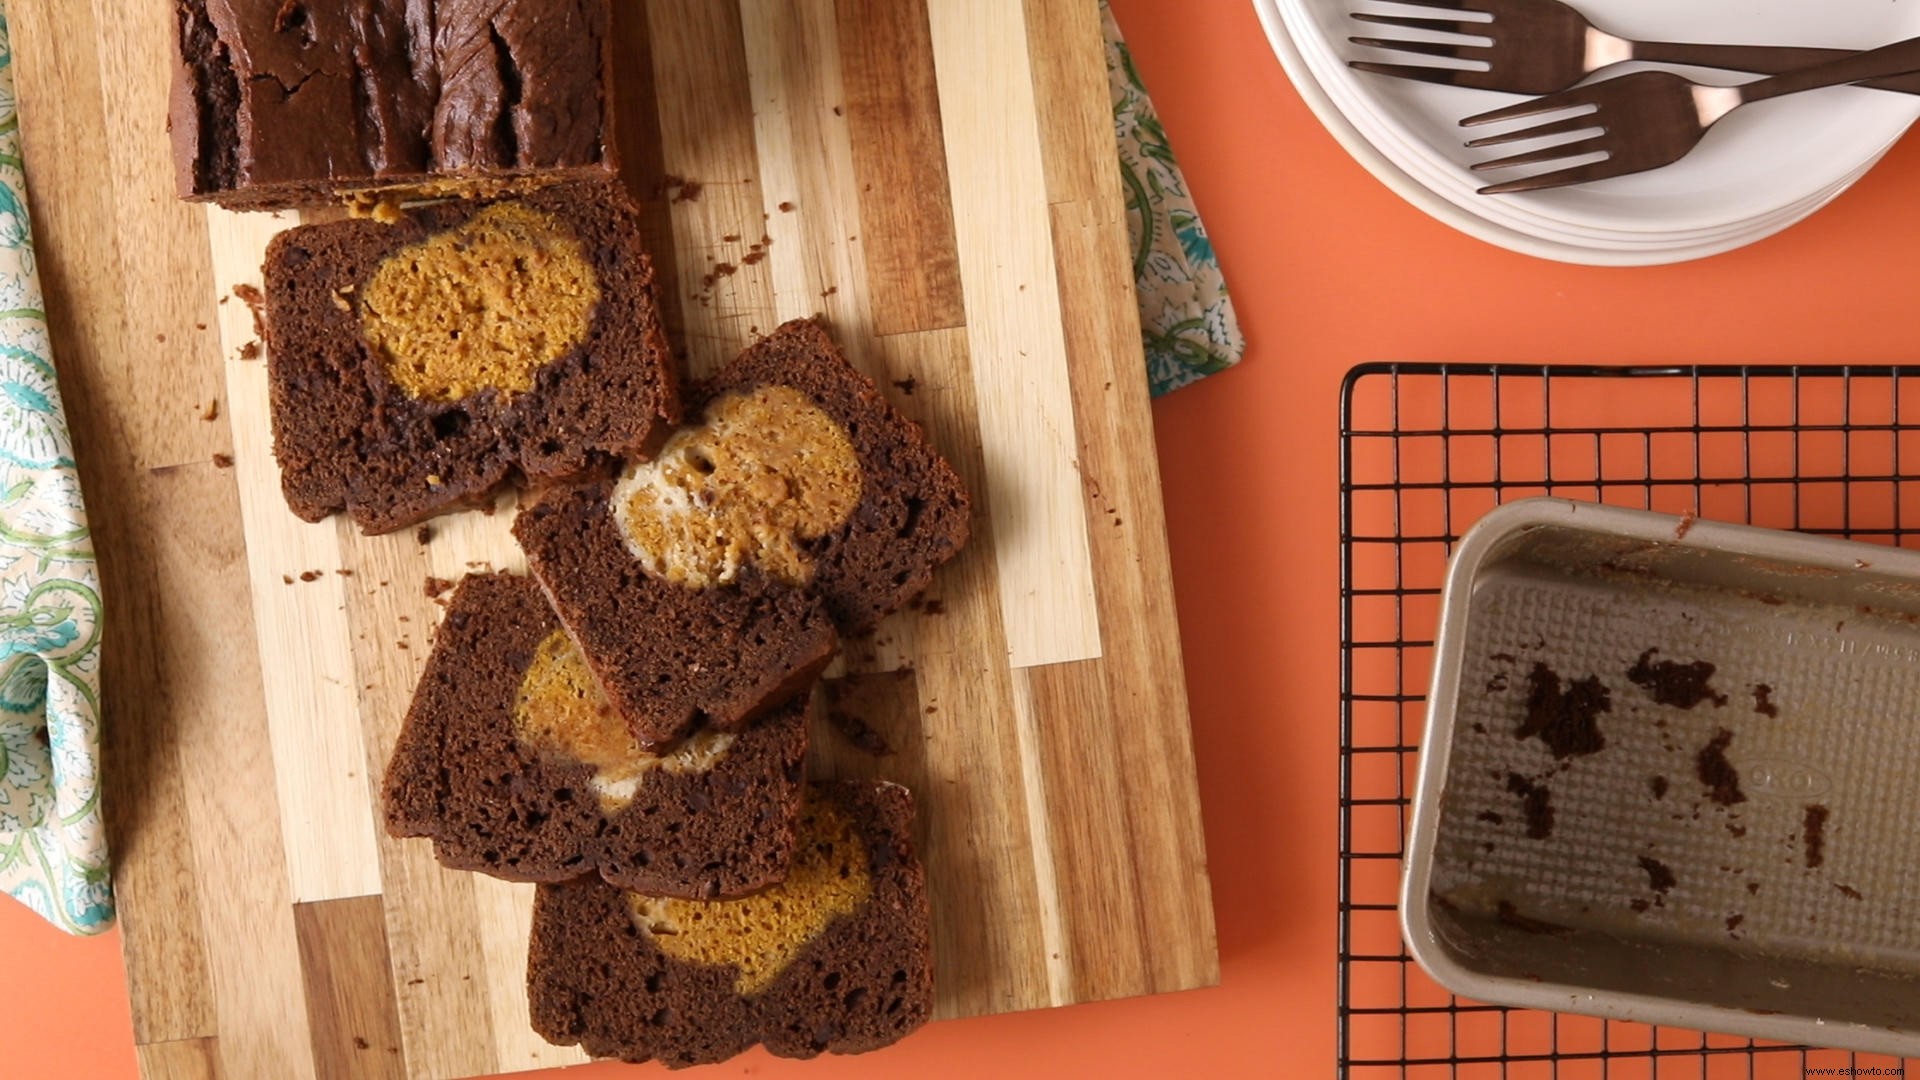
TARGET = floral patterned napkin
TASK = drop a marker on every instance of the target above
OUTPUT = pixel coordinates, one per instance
(1186, 316)
(53, 844)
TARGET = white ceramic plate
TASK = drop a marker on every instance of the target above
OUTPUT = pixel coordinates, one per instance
(1451, 182)
(1759, 161)
(1396, 178)
(1457, 185)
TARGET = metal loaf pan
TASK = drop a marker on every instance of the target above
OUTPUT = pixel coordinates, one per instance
(1672, 774)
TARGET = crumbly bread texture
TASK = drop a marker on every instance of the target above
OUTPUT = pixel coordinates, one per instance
(415, 367)
(673, 652)
(278, 104)
(512, 763)
(837, 960)
(670, 658)
(913, 513)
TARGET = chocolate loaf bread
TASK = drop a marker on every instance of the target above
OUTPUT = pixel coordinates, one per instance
(415, 367)
(836, 959)
(513, 764)
(701, 584)
(280, 103)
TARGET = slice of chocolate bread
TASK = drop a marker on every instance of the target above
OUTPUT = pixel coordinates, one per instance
(670, 658)
(799, 485)
(278, 104)
(913, 512)
(513, 764)
(837, 958)
(417, 366)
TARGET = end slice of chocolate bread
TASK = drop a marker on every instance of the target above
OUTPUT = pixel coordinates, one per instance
(836, 959)
(415, 367)
(512, 763)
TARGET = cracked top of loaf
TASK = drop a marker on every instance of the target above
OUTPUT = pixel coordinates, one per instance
(281, 103)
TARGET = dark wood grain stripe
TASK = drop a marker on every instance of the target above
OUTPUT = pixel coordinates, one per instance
(899, 161)
(1079, 156)
(636, 114)
(350, 1004)
(180, 1059)
(1095, 864)
(706, 138)
(1126, 523)
(990, 951)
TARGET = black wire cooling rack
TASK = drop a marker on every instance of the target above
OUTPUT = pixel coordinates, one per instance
(1426, 449)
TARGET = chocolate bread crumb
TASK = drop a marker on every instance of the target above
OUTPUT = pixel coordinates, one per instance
(1813, 833)
(1566, 719)
(1672, 683)
(1659, 876)
(859, 733)
(1536, 803)
(1717, 773)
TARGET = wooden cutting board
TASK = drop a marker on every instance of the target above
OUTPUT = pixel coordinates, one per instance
(935, 178)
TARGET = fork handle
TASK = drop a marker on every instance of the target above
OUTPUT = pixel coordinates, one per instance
(1899, 58)
(1759, 59)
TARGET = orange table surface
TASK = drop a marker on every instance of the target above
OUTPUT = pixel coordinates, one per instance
(1329, 269)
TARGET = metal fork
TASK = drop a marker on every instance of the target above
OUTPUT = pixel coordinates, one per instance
(1653, 118)
(1541, 46)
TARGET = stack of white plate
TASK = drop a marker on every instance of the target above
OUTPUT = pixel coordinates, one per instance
(1762, 169)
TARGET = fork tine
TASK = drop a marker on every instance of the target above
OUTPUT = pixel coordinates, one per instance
(1423, 48)
(1444, 5)
(1582, 122)
(1557, 152)
(1420, 72)
(1579, 174)
(1566, 99)
(1449, 26)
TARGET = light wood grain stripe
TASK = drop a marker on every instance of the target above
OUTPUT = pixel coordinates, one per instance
(1153, 755)
(990, 953)
(218, 718)
(1017, 350)
(180, 1059)
(899, 163)
(164, 306)
(1058, 958)
(350, 1005)
(320, 775)
(439, 973)
(706, 135)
